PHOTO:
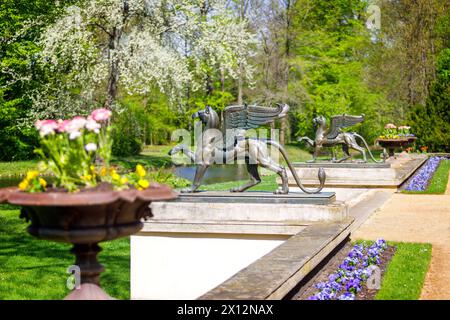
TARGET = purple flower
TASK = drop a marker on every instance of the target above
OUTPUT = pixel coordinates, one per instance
(333, 277)
(352, 273)
(420, 181)
(347, 296)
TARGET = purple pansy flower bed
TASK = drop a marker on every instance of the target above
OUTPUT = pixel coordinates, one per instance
(420, 181)
(352, 274)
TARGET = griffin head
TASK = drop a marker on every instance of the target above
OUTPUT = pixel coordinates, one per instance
(208, 117)
(320, 120)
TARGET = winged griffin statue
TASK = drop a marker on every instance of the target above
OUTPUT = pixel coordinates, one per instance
(238, 119)
(334, 136)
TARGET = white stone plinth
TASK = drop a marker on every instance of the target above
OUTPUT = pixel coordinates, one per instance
(188, 248)
(185, 266)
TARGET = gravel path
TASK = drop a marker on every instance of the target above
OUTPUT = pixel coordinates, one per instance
(417, 218)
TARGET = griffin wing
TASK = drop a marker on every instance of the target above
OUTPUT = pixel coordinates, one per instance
(342, 121)
(251, 116)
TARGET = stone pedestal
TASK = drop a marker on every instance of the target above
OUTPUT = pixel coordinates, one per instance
(194, 244)
(390, 175)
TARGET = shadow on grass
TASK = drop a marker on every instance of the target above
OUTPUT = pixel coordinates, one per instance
(36, 269)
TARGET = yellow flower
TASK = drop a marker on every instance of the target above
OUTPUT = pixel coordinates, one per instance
(32, 175)
(103, 171)
(140, 171)
(43, 183)
(115, 176)
(23, 185)
(124, 180)
(112, 172)
(92, 167)
(143, 184)
(86, 177)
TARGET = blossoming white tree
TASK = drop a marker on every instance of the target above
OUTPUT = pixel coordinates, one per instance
(136, 45)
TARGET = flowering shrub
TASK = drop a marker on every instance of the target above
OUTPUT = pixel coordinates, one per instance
(352, 273)
(391, 131)
(420, 181)
(78, 153)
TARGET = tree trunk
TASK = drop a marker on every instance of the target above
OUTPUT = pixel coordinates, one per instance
(240, 85)
(287, 54)
(114, 41)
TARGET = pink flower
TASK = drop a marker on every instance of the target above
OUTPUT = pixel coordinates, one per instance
(101, 114)
(46, 127)
(390, 126)
(63, 125)
(38, 124)
(76, 124)
(93, 125)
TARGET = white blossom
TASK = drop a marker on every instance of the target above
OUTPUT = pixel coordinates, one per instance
(169, 44)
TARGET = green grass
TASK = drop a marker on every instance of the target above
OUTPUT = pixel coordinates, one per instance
(16, 168)
(269, 183)
(36, 269)
(406, 272)
(438, 184)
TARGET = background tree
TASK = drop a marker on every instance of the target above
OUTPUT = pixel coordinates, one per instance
(161, 60)
(431, 122)
(21, 21)
(103, 46)
(331, 48)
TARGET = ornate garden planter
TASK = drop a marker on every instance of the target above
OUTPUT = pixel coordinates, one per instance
(392, 144)
(85, 219)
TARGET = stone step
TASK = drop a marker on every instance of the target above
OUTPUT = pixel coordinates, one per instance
(274, 275)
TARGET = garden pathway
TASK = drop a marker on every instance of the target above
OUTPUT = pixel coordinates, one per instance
(417, 218)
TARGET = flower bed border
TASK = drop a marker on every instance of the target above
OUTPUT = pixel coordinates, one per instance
(420, 181)
(353, 272)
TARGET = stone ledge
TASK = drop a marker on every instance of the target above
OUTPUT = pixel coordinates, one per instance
(224, 227)
(370, 177)
(277, 273)
(322, 198)
(291, 214)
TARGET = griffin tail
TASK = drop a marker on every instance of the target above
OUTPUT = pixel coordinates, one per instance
(367, 147)
(321, 174)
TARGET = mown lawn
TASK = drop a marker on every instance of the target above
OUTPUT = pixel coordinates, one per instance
(36, 269)
(438, 184)
(406, 272)
(268, 183)
(16, 168)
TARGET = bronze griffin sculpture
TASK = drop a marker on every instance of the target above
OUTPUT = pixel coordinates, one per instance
(334, 136)
(210, 146)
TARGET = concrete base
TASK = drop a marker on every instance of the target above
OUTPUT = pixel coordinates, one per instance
(296, 197)
(184, 266)
(351, 165)
(188, 248)
(363, 177)
(250, 212)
